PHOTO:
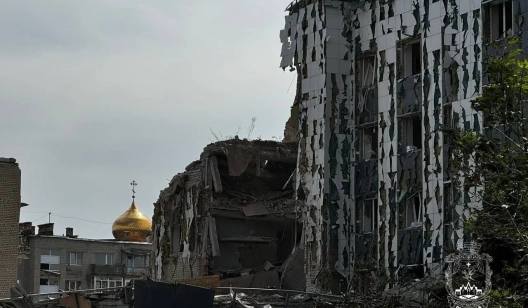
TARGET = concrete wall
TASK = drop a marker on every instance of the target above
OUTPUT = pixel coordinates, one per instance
(240, 255)
(10, 182)
(176, 268)
(83, 272)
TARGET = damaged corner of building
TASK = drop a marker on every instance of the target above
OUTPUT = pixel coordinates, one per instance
(231, 216)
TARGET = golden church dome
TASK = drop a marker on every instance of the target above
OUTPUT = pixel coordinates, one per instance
(132, 225)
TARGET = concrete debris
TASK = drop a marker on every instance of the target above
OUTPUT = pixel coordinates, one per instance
(229, 214)
(292, 271)
(241, 298)
(268, 266)
(264, 279)
(255, 209)
(238, 159)
(74, 301)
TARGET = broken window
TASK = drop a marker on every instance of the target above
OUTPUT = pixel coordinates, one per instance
(410, 130)
(48, 285)
(177, 243)
(369, 214)
(410, 57)
(366, 94)
(366, 71)
(366, 215)
(412, 211)
(50, 260)
(368, 143)
(448, 116)
(415, 61)
(448, 203)
(500, 20)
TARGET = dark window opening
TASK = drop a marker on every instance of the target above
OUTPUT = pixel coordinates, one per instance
(366, 215)
(177, 243)
(501, 20)
(448, 203)
(181, 242)
(368, 143)
(410, 131)
(448, 117)
(409, 58)
(416, 63)
(366, 89)
(417, 132)
(411, 211)
(508, 15)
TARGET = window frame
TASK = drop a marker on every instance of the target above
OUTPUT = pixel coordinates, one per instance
(47, 254)
(406, 127)
(133, 262)
(76, 285)
(77, 257)
(495, 34)
(107, 256)
(372, 132)
(405, 55)
(48, 280)
(417, 217)
(372, 203)
(107, 282)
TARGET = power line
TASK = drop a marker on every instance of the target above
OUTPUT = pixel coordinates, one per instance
(41, 217)
(95, 222)
(69, 217)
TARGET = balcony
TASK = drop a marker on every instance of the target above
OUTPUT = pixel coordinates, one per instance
(117, 270)
(137, 271)
(107, 270)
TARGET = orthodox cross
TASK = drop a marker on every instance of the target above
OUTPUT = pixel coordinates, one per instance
(133, 184)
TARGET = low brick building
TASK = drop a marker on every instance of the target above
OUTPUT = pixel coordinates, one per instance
(10, 182)
(67, 262)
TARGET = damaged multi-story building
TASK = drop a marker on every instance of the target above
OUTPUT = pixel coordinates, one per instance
(364, 178)
(231, 215)
(378, 80)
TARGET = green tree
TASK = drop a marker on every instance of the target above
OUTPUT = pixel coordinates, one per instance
(496, 160)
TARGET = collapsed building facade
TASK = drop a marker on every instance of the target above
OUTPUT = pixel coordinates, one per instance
(231, 214)
(378, 80)
(365, 167)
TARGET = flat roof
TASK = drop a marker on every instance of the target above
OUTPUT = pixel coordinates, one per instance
(90, 240)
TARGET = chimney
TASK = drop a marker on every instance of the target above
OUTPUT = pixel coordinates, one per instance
(69, 232)
(45, 229)
(26, 228)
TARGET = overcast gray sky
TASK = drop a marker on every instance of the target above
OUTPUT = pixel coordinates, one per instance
(95, 94)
